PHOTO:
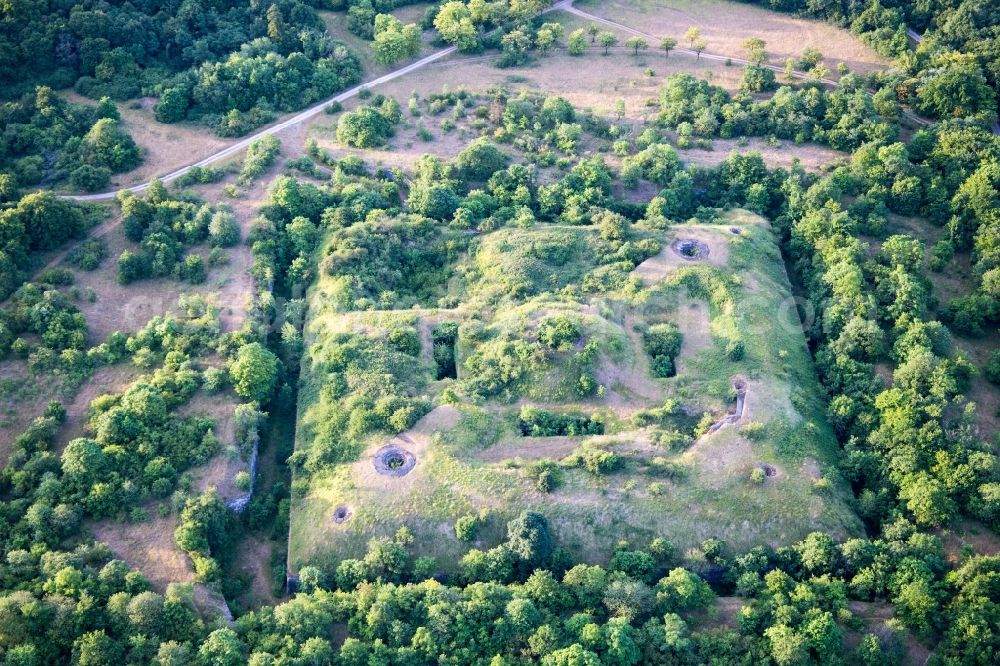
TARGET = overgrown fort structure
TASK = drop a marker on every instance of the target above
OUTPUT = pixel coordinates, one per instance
(499, 332)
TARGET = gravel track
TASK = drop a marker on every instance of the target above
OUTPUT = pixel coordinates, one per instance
(302, 116)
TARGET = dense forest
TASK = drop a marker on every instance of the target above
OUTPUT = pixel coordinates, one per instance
(959, 51)
(231, 65)
(47, 140)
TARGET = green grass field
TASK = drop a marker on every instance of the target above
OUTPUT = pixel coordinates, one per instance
(471, 455)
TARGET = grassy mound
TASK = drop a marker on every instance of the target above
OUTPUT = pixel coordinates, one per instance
(608, 450)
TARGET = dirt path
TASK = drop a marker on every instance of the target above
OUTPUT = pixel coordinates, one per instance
(278, 127)
(99, 231)
(565, 5)
(298, 118)
(557, 447)
(917, 38)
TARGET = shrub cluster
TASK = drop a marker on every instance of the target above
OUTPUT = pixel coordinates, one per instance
(370, 125)
(662, 342)
(47, 138)
(163, 227)
(951, 76)
(844, 118)
(537, 422)
(39, 222)
(261, 154)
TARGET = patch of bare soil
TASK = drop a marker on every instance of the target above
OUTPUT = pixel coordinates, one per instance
(253, 559)
(811, 156)
(235, 293)
(124, 308)
(694, 320)
(19, 405)
(987, 399)
(416, 441)
(441, 418)
(727, 612)
(982, 392)
(884, 370)
(657, 267)
(968, 532)
(590, 81)
(629, 388)
(411, 13)
(875, 616)
(149, 547)
(218, 472)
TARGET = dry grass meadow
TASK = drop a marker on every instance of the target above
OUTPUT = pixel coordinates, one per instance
(165, 148)
(591, 81)
(726, 25)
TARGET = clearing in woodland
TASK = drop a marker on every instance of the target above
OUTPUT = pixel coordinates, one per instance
(726, 25)
(634, 457)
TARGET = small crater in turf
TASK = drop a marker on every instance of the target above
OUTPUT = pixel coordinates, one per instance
(769, 470)
(341, 513)
(393, 461)
(689, 249)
